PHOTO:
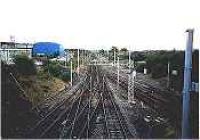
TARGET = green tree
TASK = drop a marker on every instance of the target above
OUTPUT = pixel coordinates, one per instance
(114, 48)
(24, 65)
(54, 69)
(124, 50)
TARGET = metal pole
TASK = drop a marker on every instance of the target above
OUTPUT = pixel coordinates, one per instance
(86, 57)
(118, 72)
(114, 58)
(129, 77)
(103, 83)
(78, 63)
(90, 83)
(48, 68)
(133, 85)
(168, 71)
(65, 59)
(71, 73)
(129, 59)
(187, 86)
(133, 80)
(8, 55)
(108, 54)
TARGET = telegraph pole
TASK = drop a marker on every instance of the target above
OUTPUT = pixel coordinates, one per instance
(187, 85)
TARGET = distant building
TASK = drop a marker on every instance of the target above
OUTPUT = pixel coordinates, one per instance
(8, 50)
(47, 49)
(51, 50)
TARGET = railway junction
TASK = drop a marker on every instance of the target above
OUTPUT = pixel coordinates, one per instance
(99, 107)
(105, 97)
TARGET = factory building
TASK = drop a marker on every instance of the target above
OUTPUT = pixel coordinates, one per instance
(8, 50)
(39, 51)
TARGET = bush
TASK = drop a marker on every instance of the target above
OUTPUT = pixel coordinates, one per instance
(159, 70)
(65, 76)
(140, 67)
(24, 65)
(56, 70)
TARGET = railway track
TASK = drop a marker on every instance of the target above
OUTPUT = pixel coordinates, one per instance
(77, 112)
(90, 112)
(99, 117)
(79, 117)
(52, 102)
(53, 119)
(157, 99)
(109, 117)
(146, 94)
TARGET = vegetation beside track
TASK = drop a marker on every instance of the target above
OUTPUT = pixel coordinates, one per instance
(16, 113)
(23, 87)
(36, 82)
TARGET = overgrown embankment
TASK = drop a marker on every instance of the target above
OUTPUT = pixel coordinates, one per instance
(22, 88)
(16, 112)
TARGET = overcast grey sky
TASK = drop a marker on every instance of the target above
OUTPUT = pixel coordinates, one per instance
(137, 24)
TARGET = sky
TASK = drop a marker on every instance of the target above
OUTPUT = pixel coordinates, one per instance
(97, 24)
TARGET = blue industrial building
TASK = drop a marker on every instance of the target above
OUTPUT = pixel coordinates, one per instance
(49, 49)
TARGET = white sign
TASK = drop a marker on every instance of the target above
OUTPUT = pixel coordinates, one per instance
(174, 72)
(145, 71)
